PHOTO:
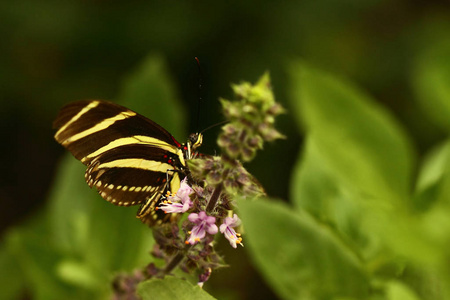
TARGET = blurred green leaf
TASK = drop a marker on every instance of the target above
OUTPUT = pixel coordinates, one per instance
(13, 280)
(32, 249)
(69, 202)
(396, 290)
(312, 187)
(78, 274)
(430, 224)
(435, 222)
(430, 79)
(100, 236)
(437, 169)
(367, 226)
(315, 188)
(299, 257)
(365, 150)
(431, 175)
(150, 91)
(171, 288)
(357, 139)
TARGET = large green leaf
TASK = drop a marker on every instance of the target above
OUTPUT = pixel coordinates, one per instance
(299, 257)
(435, 221)
(13, 280)
(34, 257)
(364, 224)
(312, 185)
(93, 234)
(396, 290)
(431, 176)
(171, 288)
(357, 138)
(431, 77)
(364, 149)
(320, 191)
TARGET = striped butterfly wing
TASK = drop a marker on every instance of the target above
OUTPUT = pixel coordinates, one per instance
(130, 159)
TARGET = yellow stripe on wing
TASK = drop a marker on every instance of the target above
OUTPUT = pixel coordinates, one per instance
(138, 140)
(87, 108)
(99, 126)
(175, 183)
(137, 163)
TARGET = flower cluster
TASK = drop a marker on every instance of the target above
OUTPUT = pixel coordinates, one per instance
(202, 222)
(229, 173)
(251, 120)
(206, 194)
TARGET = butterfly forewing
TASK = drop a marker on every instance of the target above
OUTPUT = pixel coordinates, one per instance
(88, 128)
(131, 160)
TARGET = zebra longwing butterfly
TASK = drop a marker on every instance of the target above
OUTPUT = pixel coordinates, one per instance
(130, 159)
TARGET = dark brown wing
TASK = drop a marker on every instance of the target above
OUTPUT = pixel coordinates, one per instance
(84, 127)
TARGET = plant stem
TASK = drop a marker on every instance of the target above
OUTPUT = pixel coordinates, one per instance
(175, 261)
(214, 198)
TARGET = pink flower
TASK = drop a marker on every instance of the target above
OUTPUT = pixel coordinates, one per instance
(230, 234)
(204, 224)
(179, 203)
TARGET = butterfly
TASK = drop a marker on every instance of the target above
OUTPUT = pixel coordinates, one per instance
(130, 159)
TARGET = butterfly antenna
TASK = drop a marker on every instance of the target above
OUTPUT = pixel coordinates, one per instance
(214, 125)
(200, 85)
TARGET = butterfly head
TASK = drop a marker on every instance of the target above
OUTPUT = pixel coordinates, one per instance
(195, 140)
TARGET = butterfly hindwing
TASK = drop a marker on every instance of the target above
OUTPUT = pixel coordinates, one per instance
(148, 212)
(128, 175)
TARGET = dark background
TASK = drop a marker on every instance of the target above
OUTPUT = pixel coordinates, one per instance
(54, 52)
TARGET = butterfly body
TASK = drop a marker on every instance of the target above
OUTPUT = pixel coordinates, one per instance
(130, 159)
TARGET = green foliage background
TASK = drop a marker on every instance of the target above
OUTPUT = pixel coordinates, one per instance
(364, 170)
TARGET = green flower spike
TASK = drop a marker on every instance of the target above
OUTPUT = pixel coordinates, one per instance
(251, 122)
(252, 118)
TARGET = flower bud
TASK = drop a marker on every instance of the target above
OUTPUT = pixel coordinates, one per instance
(275, 109)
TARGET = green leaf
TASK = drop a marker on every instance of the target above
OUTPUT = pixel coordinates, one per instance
(171, 288)
(32, 250)
(99, 236)
(13, 281)
(299, 257)
(365, 226)
(432, 172)
(395, 290)
(312, 187)
(435, 222)
(431, 77)
(150, 91)
(357, 138)
(315, 188)
(366, 158)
